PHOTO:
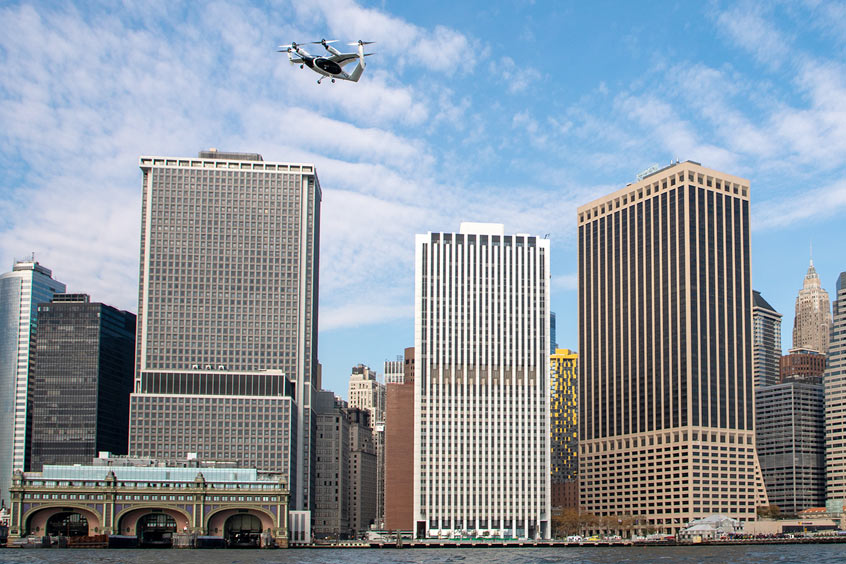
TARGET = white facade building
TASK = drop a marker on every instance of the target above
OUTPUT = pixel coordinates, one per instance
(481, 400)
(21, 291)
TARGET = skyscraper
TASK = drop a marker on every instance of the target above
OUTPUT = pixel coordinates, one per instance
(666, 421)
(227, 313)
(835, 403)
(766, 341)
(790, 439)
(481, 409)
(813, 315)
(21, 291)
(564, 427)
(83, 376)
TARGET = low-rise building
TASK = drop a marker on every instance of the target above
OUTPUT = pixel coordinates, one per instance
(150, 505)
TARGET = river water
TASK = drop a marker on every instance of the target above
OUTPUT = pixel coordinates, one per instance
(770, 554)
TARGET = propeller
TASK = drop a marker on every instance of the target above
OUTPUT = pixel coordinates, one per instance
(360, 42)
(324, 42)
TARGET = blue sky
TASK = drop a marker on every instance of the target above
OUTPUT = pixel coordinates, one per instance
(511, 112)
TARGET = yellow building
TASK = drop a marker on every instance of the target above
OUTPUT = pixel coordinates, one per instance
(564, 439)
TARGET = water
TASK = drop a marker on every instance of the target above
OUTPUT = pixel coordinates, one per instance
(772, 554)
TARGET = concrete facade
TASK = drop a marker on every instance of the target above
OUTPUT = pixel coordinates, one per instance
(481, 405)
(227, 311)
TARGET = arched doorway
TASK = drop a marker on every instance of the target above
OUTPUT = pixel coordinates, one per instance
(242, 531)
(67, 524)
(156, 529)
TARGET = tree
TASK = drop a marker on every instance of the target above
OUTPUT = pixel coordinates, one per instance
(566, 523)
(771, 511)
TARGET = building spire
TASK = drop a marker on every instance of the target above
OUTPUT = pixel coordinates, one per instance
(812, 252)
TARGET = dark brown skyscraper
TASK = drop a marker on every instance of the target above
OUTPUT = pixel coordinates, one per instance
(665, 338)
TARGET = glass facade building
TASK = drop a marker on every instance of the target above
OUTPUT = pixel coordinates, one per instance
(21, 291)
(666, 399)
(227, 313)
(766, 341)
(790, 437)
(82, 380)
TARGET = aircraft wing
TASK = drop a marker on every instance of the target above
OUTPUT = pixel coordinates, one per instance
(343, 58)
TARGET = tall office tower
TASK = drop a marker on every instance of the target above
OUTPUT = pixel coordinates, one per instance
(366, 392)
(564, 428)
(331, 513)
(399, 449)
(227, 313)
(481, 397)
(813, 315)
(362, 471)
(21, 291)
(766, 341)
(790, 439)
(666, 420)
(83, 376)
(835, 404)
(553, 344)
(394, 371)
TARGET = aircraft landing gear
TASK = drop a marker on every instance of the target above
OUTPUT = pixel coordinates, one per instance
(333, 81)
(301, 66)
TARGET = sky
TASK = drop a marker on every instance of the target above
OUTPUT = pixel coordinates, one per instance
(508, 112)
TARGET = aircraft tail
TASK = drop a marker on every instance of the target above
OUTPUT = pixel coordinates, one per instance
(359, 68)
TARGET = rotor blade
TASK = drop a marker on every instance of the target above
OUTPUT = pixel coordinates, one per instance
(360, 42)
(324, 41)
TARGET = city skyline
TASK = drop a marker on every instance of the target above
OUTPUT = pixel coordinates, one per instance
(454, 117)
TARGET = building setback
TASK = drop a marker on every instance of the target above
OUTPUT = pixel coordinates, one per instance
(21, 291)
(790, 438)
(666, 412)
(83, 376)
(564, 428)
(227, 313)
(399, 448)
(835, 403)
(481, 405)
(766, 341)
